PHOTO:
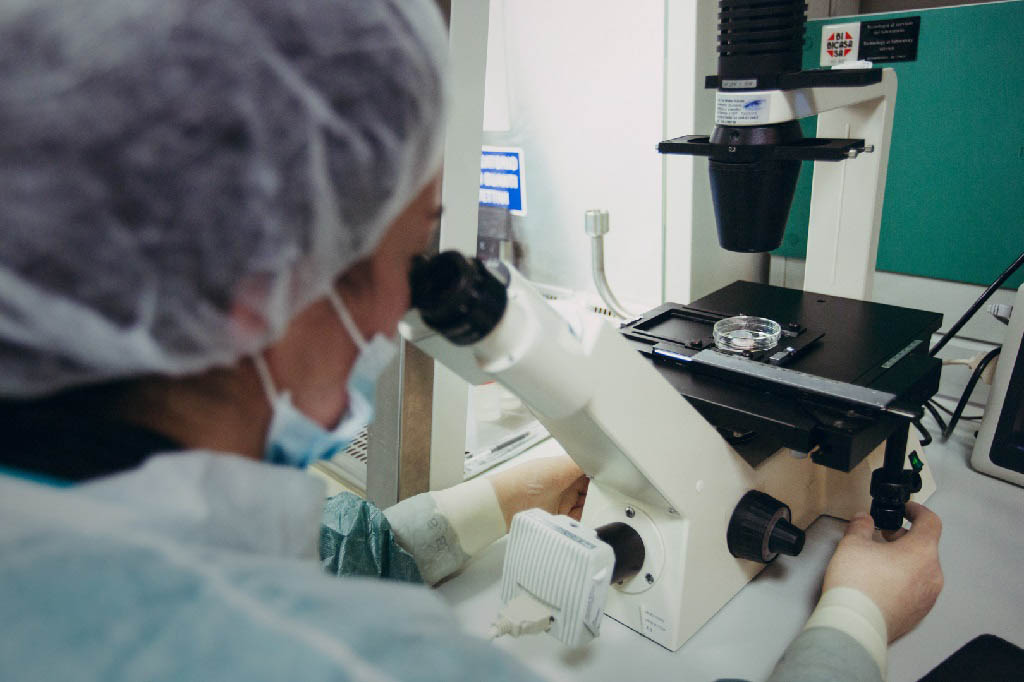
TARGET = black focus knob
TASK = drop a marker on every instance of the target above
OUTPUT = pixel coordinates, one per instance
(890, 491)
(760, 529)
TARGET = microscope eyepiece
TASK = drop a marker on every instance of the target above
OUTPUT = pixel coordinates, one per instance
(458, 297)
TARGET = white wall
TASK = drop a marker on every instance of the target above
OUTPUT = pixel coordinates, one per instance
(584, 92)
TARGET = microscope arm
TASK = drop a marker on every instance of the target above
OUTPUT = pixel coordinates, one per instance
(608, 407)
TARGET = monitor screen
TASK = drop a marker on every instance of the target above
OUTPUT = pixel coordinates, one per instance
(1008, 442)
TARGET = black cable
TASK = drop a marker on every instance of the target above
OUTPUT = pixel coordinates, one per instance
(971, 383)
(926, 438)
(930, 406)
(948, 411)
(977, 304)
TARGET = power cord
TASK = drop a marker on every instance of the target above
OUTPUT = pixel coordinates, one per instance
(931, 406)
(926, 438)
(973, 363)
(977, 304)
(964, 417)
(523, 615)
(971, 383)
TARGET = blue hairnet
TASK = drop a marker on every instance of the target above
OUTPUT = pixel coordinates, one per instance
(167, 163)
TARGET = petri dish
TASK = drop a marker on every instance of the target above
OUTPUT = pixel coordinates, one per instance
(746, 334)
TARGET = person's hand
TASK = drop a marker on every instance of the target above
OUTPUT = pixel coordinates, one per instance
(902, 577)
(555, 484)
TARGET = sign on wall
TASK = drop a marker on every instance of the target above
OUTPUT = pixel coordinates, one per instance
(879, 42)
(503, 179)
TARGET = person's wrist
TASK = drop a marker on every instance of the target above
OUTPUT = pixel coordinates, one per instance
(474, 510)
(504, 494)
(853, 612)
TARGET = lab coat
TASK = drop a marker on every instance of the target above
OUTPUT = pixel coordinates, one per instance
(204, 566)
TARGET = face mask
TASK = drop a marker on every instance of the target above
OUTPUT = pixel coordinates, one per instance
(297, 440)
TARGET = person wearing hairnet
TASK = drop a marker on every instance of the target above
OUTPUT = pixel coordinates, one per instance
(209, 210)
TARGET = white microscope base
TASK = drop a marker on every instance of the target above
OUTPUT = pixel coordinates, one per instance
(687, 592)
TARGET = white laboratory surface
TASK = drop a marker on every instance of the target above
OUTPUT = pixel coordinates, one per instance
(982, 553)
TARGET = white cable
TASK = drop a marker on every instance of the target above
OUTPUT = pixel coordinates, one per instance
(973, 362)
(524, 615)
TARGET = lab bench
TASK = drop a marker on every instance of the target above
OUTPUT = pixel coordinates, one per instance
(982, 553)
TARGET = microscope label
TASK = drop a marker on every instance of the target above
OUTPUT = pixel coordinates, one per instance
(739, 84)
(890, 40)
(886, 40)
(840, 43)
(749, 108)
(652, 624)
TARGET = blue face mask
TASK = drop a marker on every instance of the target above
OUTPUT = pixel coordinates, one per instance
(297, 440)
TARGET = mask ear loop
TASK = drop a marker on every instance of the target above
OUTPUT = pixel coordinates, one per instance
(266, 381)
(346, 319)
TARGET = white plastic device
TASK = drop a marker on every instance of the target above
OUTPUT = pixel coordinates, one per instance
(1003, 411)
(562, 564)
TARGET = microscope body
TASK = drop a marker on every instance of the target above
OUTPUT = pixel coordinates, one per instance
(709, 520)
(654, 462)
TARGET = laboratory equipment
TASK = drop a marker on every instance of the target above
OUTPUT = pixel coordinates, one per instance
(660, 461)
(746, 334)
(999, 450)
(754, 155)
(757, 145)
(587, 562)
(676, 435)
(596, 226)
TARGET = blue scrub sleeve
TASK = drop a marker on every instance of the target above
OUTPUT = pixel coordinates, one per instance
(356, 539)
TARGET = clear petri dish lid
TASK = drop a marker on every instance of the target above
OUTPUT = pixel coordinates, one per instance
(746, 334)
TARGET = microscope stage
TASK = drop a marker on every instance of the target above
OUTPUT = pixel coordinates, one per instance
(843, 376)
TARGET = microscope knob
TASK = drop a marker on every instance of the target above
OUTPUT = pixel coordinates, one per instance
(760, 529)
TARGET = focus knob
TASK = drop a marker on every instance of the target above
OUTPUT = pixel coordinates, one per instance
(760, 529)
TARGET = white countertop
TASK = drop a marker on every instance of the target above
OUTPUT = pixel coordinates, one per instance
(982, 553)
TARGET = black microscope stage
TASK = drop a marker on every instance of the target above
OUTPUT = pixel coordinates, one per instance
(843, 377)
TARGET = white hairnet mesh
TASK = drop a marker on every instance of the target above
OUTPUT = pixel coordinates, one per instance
(165, 162)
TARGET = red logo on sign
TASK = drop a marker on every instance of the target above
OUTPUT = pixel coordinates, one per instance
(839, 44)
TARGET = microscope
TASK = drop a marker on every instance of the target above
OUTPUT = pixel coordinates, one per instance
(714, 432)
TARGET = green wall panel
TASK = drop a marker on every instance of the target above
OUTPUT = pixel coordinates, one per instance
(954, 200)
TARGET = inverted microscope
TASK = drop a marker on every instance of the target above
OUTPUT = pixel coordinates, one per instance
(714, 432)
